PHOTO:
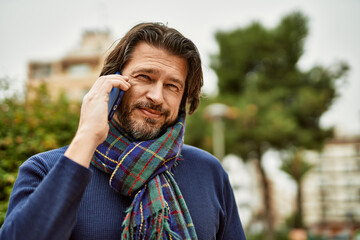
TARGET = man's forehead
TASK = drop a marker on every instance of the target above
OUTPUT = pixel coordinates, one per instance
(152, 60)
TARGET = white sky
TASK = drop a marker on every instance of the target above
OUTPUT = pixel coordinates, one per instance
(39, 29)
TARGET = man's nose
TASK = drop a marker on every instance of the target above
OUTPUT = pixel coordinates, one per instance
(155, 93)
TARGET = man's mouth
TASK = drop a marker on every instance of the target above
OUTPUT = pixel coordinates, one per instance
(150, 113)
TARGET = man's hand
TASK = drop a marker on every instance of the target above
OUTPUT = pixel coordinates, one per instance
(93, 125)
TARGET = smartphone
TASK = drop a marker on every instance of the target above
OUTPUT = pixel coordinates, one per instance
(115, 97)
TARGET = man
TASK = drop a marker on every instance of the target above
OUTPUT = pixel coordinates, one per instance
(142, 183)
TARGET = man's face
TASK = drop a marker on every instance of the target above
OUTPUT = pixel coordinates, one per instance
(152, 103)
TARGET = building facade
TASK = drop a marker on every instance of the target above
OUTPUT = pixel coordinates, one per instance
(75, 73)
(332, 189)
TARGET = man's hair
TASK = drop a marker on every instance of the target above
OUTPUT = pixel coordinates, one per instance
(169, 39)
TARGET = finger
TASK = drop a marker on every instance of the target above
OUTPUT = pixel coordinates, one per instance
(109, 84)
(106, 83)
(105, 78)
(116, 77)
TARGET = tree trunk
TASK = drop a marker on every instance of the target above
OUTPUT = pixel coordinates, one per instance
(299, 214)
(267, 201)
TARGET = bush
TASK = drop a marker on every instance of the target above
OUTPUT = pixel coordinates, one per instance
(30, 127)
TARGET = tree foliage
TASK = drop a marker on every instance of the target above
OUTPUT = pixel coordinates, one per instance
(279, 105)
(198, 131)
(30, 127)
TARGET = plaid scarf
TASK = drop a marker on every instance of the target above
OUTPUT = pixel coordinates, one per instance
(144, 170)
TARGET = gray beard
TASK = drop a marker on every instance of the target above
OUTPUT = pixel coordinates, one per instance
(140, 130)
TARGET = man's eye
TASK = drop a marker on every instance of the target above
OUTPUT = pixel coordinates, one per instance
(143, 77)
(173, 87)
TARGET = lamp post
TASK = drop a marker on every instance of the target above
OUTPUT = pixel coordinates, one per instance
(215, 113)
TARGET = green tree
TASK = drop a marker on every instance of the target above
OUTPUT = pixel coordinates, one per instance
(279, 105)
(296, 166)
(30, 127)
(198, 132)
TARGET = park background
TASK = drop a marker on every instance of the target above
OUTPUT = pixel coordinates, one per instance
(40, 31)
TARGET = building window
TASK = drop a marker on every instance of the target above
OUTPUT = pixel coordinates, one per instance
(39, 71)
(79, 70)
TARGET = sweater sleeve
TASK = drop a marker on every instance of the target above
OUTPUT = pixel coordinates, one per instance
(44, 203)
(232, 227)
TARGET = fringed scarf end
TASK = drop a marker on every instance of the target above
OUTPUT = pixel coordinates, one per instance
(154, 227)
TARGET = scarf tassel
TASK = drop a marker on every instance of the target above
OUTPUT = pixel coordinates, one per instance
(154, 227)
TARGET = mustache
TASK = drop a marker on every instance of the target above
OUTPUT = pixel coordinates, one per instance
(165, 112)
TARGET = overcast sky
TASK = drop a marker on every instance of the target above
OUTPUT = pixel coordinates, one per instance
(43, 29)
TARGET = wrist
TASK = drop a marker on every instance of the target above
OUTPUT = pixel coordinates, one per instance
(82, 148)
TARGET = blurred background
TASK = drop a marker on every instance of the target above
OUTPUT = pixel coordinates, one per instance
(281, 96)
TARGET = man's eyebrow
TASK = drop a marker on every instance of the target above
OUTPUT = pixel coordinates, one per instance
(145, 70)
(154, 71)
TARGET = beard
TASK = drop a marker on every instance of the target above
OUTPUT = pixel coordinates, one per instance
(140, 129)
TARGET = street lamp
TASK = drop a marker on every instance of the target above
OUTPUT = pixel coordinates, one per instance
(216, 112)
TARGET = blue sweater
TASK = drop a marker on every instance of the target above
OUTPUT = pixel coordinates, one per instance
(55, 198)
